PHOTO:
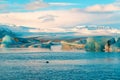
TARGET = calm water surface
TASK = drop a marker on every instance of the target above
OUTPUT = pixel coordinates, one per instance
(62, 66)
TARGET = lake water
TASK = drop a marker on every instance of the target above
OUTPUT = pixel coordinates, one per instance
(28, 65)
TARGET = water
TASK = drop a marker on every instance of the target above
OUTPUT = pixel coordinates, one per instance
(61, 66)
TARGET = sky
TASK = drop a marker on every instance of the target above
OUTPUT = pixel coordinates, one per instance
(59, 13)
(37, 5)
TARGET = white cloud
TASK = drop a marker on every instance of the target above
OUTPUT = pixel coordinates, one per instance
(37, 4)
(47, 18)
(103, 8)
(32, 5)
(113, 7)
(62, 18)
(62, 4)
(55, 20)
(58, 18)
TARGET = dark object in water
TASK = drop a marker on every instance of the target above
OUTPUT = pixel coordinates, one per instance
(47, 61)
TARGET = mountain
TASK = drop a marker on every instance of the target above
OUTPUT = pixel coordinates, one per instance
(13, 30)
(5, 30)
(96, 30)
(44, 32)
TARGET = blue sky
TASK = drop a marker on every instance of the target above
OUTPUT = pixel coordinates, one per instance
(19, 5)
(59, 13)
(83, 3)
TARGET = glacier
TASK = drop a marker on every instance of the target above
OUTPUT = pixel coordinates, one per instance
(63, 32)
(7, 41)
(102, 44)
(116, 47)
(27, 37)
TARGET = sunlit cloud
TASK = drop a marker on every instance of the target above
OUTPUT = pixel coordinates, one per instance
(50, 18)
(32, 5)
(63, 4)
(47, 18)
(37, 4)
(103, 8)
(58, 18)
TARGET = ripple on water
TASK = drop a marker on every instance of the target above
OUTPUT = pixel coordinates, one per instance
(61, 66)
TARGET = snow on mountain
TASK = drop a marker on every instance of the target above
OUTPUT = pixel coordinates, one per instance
(15, 28)
(12, 29)
(82, 30)
(93, 30)
(5, 31)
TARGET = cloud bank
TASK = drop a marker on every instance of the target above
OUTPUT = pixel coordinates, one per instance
(59, 18)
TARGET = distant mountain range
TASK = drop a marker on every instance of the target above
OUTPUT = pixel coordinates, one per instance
(5, 30)
(13, 30)
(83, 30)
